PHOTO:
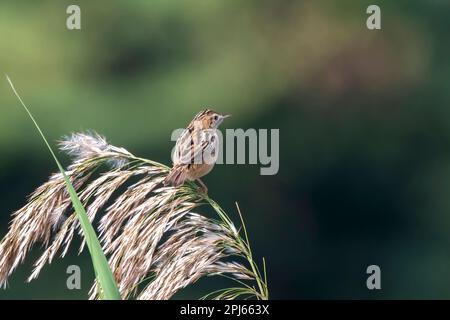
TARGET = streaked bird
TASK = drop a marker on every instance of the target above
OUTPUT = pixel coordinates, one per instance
(196, 150)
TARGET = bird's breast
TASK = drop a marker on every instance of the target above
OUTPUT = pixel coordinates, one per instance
(199, 170)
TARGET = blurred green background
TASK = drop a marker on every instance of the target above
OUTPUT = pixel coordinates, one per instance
(363, 115)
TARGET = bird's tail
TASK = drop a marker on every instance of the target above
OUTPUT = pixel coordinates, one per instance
(176, 176)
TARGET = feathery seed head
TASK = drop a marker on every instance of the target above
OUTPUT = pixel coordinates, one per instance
(146, 230)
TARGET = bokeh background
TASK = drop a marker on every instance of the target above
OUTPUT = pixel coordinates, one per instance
(364, 119)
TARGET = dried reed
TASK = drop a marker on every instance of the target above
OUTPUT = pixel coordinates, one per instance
(147, 231)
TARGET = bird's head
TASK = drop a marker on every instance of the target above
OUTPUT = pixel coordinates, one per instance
(210, 119)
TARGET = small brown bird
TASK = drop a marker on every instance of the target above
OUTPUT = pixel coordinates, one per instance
(196, 150)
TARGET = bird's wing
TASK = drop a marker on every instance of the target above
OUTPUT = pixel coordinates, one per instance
(190, 146)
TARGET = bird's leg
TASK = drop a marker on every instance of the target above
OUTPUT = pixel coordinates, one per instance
(203, 188)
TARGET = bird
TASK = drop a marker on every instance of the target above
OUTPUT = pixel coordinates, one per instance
(196, 150)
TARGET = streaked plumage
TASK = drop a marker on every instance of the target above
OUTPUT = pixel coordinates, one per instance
(196, 149)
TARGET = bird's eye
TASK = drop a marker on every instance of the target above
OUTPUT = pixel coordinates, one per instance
(216, 117)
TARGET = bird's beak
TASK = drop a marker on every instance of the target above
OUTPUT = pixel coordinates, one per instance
(226, 116)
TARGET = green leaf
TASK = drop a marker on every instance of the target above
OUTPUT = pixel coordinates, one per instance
(103, 273)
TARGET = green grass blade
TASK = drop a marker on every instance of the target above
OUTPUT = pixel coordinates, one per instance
(103, 273)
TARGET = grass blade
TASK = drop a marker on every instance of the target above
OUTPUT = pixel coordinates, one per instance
(102, 271)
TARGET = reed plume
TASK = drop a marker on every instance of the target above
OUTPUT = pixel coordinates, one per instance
(155, 239)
